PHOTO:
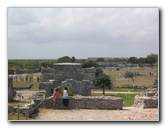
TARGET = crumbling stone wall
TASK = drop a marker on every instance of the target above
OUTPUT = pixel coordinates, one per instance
(63, 71)
(88, 102)
(47, 74)
(146, 102)
(89, 73)
(79, 87)
(10, 89)
(147, 99)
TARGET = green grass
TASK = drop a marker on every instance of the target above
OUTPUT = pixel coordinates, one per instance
(119, 81)
(17, 102)
(127, 90)
(34, 87)
(20, 84)
(128, 99)
(15, 117)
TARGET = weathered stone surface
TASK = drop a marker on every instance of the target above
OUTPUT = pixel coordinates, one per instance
(88, 102)
(10, 89)
(80, 78)
(147, 99)
(146, 102)
(79, 87)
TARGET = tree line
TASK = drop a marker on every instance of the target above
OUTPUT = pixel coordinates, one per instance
(38, 63)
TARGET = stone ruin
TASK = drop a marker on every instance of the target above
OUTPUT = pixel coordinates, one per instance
(68, 74)
(148, 98)
(10, 89)
(88, 102)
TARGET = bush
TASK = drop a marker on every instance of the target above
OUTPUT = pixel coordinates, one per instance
(69, 89)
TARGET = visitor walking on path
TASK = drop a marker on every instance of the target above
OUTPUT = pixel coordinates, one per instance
(65, 98)
(56, 97)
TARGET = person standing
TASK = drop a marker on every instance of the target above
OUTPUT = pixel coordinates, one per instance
(56, 97)
(65, 97)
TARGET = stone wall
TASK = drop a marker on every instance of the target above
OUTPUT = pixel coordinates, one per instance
(145, 102)
(10, 89)
(63, 71)
(88, 102)
(89, 73)
(147, 99)
(79, 87)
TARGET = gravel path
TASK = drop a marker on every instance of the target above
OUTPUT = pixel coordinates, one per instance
(127, 114)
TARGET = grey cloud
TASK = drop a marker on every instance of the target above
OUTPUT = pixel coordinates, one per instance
(110, 28)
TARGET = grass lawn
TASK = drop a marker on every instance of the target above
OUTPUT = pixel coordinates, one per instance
(143, 79)
(17, 102)
(128, 99)
(34, 87)
(15, 117)
(127, 90)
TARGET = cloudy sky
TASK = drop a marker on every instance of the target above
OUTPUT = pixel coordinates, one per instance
(50, 33)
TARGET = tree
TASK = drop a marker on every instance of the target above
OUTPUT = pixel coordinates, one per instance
(141, 61)
(103, 81)
(64, 59)
(133, 60)
(100, 60)
(73, 59)
(89, 64)
(152, 59)
(129, 75)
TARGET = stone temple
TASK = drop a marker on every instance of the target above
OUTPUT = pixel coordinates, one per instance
(69, 75)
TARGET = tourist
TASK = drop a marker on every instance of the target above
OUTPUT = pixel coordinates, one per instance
(65, 98)
(19, 95)
(56, 97)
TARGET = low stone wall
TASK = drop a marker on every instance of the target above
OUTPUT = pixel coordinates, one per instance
(27, 108)
(146, 102)
(88, 102)
(147, 99)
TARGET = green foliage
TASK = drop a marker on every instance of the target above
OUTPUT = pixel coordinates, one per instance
(129, 75)
(133, 60)
(30, 64)
(89, 64)
(69, 89)
(73, 59)
(128, 99)
(64, 59)
(100, 60)
(47, 64)
(103, 81)
(152, 59)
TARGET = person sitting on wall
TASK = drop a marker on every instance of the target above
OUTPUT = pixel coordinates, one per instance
(56, 97)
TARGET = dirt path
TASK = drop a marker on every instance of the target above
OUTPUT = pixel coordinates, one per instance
(127, 114)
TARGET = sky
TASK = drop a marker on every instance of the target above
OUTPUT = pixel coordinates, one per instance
(51, 33)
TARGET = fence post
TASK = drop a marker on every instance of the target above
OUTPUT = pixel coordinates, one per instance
(26, 114)
(18, 112)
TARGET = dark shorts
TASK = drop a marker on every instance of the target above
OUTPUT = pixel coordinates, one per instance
(56, 99)
(65, 102)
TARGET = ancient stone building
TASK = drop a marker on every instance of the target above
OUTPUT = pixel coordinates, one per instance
(71, 73)
(147, 99)
(10, 88)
